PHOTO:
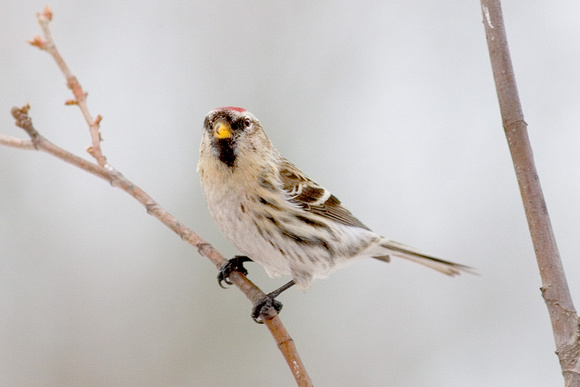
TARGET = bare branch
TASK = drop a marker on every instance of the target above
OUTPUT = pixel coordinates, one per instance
(554, 285)
(16, 142)
(106, 172)
(115, 178)
(80, 96)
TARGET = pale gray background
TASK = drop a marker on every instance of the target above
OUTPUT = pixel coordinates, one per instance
(390, 105)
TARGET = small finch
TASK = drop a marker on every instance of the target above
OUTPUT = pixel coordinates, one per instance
(276, 216)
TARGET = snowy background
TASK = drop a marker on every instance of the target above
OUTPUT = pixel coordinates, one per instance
(390, 105)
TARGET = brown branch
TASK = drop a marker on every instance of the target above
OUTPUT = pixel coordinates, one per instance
(16, 142)
(106, 172)
(554, 285)
(80, 96)
(283, 340)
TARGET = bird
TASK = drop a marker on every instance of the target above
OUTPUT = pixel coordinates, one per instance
(277, 216)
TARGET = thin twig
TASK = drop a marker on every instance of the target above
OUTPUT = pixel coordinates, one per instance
(554, 285)
(106, 172)
(14, 142)
(80, 96)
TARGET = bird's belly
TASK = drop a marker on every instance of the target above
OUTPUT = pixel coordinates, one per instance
(275, 237)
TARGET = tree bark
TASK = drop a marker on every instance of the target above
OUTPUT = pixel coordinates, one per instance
(554, 285)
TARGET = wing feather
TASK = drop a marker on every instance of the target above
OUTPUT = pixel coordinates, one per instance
(313, 198)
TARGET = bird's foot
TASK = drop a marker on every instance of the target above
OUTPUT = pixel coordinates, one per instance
(266, 308)
(234, 264)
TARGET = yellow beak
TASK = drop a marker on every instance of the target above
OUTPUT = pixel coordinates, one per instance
(222, 130)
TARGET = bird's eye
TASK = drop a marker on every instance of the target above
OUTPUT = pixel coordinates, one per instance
(247, 123)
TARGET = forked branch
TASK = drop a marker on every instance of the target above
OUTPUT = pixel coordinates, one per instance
(106, 172)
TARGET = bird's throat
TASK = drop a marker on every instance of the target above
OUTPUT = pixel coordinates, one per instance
(226, 152)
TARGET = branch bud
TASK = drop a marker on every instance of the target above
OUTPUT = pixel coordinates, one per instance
(37, 41)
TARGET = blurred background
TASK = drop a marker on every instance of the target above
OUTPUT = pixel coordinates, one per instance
(390, 105)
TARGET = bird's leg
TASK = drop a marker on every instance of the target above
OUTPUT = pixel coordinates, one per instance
(234, 264)
(262, 309)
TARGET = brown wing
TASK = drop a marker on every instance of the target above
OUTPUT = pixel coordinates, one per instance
(314, 198)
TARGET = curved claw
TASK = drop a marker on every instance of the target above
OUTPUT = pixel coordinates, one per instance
(234, 264)
(264, 309)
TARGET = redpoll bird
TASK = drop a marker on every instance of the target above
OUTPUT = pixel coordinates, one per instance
(275, 215)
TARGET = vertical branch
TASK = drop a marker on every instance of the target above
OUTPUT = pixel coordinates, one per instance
(554, 285)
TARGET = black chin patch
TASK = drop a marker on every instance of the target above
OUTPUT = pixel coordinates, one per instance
(226, 152)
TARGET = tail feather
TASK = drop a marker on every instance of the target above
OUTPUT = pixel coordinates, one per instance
(404, 251)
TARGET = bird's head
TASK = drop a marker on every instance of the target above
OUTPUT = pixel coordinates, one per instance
(233, 133)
